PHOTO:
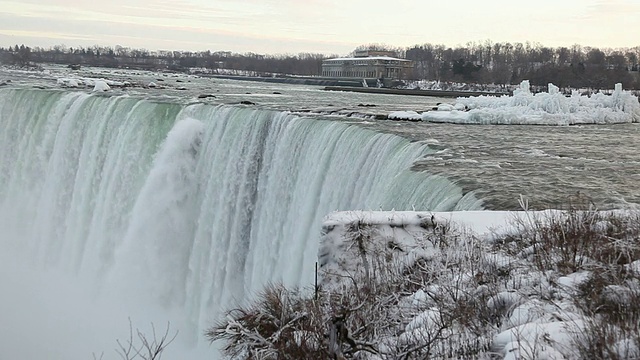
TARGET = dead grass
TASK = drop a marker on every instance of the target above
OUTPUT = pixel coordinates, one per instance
(368, 315)
(577, 239)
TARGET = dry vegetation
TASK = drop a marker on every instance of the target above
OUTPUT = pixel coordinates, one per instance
(460, 296)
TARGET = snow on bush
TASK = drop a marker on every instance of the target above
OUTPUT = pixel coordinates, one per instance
(545, 108)
(411, 285)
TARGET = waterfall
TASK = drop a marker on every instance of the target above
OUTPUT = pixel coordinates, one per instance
(189, 208)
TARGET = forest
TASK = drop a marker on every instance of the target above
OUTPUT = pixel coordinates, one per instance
(483, 63)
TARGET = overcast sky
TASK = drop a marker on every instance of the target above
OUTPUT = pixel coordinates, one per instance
(325, 26)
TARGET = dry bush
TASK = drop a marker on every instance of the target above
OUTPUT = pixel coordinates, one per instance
(576, 239)
(602, 244)
(281, 324)
(610, 298)
(142, 346)
(603, 340)
(370, 311)
(365, 315)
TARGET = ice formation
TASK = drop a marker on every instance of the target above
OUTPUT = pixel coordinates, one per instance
(547, 108)
(101, 86)
(89, 82)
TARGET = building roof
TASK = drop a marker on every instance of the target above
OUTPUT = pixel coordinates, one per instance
(368, 58)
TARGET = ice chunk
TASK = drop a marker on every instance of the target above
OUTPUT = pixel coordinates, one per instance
(404, 115)
(101, 85)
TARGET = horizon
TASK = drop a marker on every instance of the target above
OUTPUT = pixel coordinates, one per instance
(392, 47)
(319, 26)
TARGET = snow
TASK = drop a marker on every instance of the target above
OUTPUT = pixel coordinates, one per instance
(101, 86)
(504, 300)
(384, 58)
(76, 82)
(627, 349)
(70, 83)
(404, 115)
(539, 320)
(545, 108)
(426, 319)
(551, 340)
(572, 281)
(454, 86)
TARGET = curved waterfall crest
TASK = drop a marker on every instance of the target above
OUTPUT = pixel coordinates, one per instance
(193, 206)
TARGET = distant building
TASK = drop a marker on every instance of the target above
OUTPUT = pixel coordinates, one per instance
(368, 64)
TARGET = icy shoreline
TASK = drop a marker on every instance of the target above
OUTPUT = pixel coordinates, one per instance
(526, 108)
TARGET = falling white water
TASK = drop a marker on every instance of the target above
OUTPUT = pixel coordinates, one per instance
(179, 212)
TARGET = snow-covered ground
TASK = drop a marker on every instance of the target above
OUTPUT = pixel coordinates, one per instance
(477, 259)
(456, 86)
(526, 108)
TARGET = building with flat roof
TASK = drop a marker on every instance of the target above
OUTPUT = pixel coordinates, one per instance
(368, 64)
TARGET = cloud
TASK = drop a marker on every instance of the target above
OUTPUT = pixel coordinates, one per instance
(612, 10)
(330, 26)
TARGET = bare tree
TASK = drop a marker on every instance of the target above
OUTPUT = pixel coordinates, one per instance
(143, 347)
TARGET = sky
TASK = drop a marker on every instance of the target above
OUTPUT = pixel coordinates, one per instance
(317, 26)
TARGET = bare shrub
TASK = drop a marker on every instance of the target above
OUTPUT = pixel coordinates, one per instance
(281, 323)
(610, 299)
(446, 294)
(141, 346)
(573, 240)
(365, 312)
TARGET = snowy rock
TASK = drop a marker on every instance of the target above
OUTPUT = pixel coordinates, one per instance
(397, 235)
(627, 349)
(68, 82)
(497, 262)
(419, 298)
(527, 312)
(634, 267)
(405, 115)
(553, 339)
(572, 281)
(523, 350)
(427, 319)
(100, 86)
(459, 107)
(422, 336)
(446, 107)
(504, 301)
(618, 294)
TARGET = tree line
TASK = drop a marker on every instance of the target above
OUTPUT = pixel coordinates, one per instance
(485, 62)
(506, 63)
(124, 57)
